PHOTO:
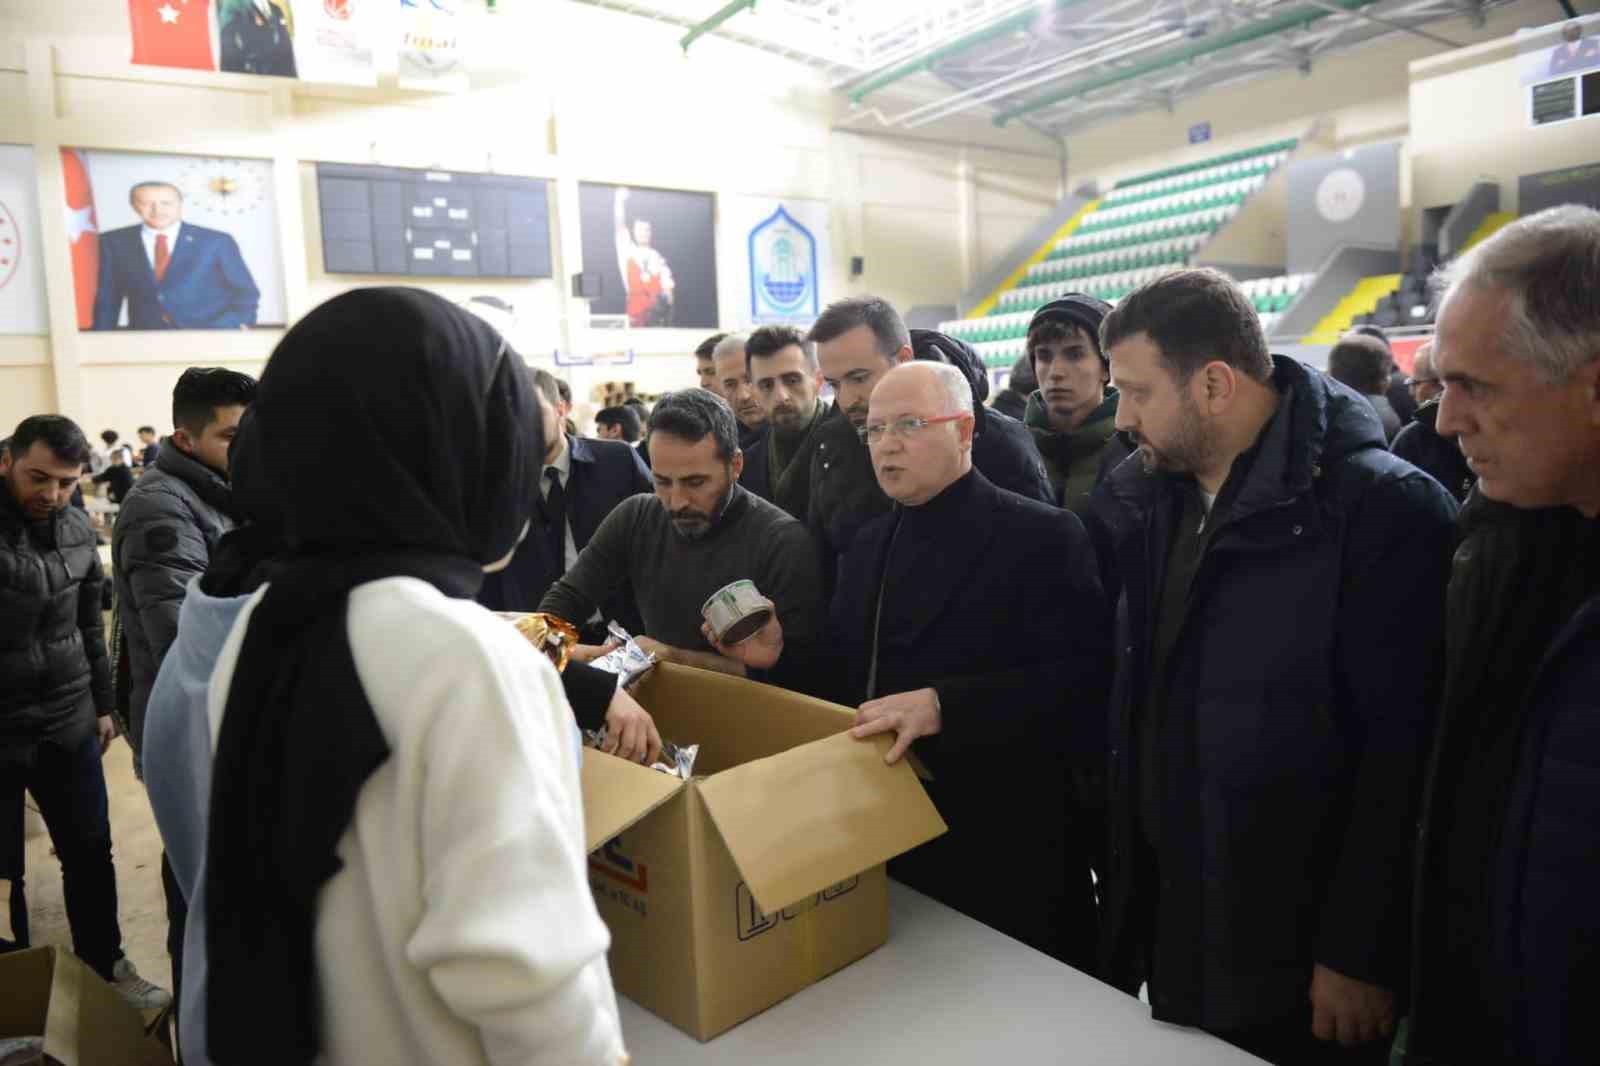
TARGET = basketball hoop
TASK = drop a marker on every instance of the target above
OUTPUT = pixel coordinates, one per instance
(602, 340)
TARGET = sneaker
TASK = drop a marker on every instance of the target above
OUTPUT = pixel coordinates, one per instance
(139, 993)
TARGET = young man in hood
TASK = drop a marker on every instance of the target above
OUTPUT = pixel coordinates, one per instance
(1073, 414)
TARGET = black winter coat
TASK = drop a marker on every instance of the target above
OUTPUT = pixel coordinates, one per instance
(844, 488)
(1299, 711)
(1420, 445)
(999, 611)
(164, 537)
(55, 676)
(1506, 853)
(1545, 877)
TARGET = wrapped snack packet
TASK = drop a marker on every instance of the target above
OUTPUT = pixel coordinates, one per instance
(628, 661)
(677, 760)
(549, 634)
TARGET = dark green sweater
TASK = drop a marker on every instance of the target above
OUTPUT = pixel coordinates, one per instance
(672, 576)
(1072, 459)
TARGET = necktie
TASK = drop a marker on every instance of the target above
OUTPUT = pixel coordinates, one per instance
(163, 256)
(555, 512)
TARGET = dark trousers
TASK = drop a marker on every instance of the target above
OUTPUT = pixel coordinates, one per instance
(177, 921)
(70, 788)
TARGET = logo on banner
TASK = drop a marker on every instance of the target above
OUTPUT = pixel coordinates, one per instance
(431, 40)
(10, 245)
(337, 9)
(1340, 195)
(783, 270)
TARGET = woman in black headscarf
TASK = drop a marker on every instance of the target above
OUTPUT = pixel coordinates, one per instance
(395, 861)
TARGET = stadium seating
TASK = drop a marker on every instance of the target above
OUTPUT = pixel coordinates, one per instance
(1001, 338)
(1146, 227)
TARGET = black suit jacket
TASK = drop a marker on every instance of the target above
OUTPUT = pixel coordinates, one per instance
(1010, 628)
(604, 473)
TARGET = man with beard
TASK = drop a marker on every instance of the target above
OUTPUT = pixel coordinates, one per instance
(701, 531)
(1283, 580)
(783, 366)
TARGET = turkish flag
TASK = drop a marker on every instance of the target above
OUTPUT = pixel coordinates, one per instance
(172, 33)
(83, 234)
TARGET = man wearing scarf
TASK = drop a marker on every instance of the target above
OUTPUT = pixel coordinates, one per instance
(783, 369)
(1073, 414)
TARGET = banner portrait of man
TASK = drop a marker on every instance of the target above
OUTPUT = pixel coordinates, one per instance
(199, 250)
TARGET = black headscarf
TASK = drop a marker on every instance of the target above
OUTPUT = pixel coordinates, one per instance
(393, 435)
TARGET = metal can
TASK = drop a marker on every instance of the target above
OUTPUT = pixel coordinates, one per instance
(736, 612)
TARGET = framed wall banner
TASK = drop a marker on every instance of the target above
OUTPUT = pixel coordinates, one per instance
(172, 241)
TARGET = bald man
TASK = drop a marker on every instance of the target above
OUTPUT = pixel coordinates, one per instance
(973, 628)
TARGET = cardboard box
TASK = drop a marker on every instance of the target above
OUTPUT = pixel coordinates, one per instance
(732, 892)
(50, 993)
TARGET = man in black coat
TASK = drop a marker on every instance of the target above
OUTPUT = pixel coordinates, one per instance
(1282, 603)
(584, 480)
(55, 687)
(1420, 444)
(1507, 923)
(969, 622)
(860, 339)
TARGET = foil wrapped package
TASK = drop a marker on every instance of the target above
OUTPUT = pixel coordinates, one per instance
(628, 661)
(546, 632)
(676, 759)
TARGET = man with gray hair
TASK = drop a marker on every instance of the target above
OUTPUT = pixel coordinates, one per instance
(1507, 879)
(1420, 442)
(970, 624)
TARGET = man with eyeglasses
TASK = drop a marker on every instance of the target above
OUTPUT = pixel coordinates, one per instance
(859, 339)
(1420, 443)
(970, 624)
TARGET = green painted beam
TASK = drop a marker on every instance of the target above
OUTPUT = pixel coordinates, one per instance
(1021, 20)
(727, 12)
(1250, 31)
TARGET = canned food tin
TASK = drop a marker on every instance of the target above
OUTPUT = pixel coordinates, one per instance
(736, 612)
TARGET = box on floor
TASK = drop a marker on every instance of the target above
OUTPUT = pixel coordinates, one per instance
(50, 993)
(731, 892)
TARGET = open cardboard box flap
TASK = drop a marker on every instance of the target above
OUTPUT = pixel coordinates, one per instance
(617, 793)
(810, 817)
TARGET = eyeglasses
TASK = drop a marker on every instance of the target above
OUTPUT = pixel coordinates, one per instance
(904, 428)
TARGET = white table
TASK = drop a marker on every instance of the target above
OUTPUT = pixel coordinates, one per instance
(944, 991)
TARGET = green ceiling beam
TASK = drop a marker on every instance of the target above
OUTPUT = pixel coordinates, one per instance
(727, 12)
(1010, 24)
(1250, 31)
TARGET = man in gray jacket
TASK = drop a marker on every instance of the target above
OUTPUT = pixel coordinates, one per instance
(171, 520)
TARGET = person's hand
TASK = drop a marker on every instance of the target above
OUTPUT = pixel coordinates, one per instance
(630, 731)
(588, 653)
(664, 653)
(105, 729)
(908, 715)
(1349, 1011)
(759, 651)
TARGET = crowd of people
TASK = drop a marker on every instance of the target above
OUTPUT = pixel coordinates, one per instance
(1283, 683)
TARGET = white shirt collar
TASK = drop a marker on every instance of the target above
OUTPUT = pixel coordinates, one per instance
(171, 232)
(563, 464)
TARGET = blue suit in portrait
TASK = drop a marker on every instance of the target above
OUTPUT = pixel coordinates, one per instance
(206, 286)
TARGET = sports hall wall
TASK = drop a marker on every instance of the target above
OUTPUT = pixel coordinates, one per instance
(926, 216)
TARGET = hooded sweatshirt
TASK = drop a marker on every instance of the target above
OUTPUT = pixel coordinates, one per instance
(1072, 459)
